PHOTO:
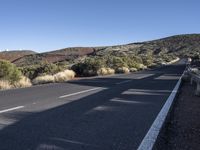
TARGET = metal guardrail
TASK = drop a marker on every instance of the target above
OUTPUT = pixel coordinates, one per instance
(194, 77)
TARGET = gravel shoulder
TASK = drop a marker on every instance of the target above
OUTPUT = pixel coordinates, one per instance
(182, 128)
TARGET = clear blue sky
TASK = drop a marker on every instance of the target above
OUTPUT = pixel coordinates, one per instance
(44, 25)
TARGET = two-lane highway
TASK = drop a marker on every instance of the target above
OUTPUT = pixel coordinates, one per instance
(102, 113)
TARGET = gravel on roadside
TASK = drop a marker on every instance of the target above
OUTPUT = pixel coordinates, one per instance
(182, 128)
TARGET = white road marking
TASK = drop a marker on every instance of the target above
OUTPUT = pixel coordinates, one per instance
(85, 91)
(151, 136)
(122, 82)
(10, 109)
(143, 76)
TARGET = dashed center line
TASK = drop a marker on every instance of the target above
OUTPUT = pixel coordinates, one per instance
(10, 109)
(85, 91)
(122, 82)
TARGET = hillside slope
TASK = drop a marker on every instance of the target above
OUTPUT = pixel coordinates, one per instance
(13, 55)
(162, 49)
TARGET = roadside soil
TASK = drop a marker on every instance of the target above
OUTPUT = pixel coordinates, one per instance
(182, 128)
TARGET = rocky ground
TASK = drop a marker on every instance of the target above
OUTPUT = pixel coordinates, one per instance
(182, 129)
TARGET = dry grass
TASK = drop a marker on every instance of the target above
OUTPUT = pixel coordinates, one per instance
(58, 77)
(23, 82)
(122, 70)
(133, 69)
(142, 66)
(105, 71)
(64, 76)
(110, 71)
(5, 85)
(43, 79)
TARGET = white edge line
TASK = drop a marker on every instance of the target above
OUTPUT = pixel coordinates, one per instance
(151, 136)
(68, 95)
(10, 109)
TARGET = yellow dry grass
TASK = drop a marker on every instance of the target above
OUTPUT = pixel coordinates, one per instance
(64, 75)
(122, 70)
(43, 79)
(105, 71)
(23, 82)
(5, 85)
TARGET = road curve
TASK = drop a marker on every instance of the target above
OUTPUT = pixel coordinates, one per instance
(103, 113)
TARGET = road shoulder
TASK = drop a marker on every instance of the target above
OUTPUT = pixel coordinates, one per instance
(182, 128)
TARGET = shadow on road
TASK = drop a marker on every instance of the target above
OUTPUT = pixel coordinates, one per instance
(115, 118)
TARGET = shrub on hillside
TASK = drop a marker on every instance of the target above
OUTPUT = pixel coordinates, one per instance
(41, 70)
(88, 67)
(147, 59)
(9, 72)
(115, 62)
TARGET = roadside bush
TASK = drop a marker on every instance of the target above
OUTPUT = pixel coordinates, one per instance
(122, 70)
(58, 77)
(41, 70)
(133, 69)
(9, 72)
(105, 71)
(142, 67)
(110, 71)
(64, 76)
(88, 67)
(23, 82)
(116, 62)
(43, 79)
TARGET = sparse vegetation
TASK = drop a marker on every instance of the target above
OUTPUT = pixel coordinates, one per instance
(50, 66)
(9, 72)
(41, 70)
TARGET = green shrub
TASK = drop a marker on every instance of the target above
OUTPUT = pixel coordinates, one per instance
(88, 67)
(41, 70)
(9, 72)
(147, 59)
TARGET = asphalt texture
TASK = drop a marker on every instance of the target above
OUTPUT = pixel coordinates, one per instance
(101, 113)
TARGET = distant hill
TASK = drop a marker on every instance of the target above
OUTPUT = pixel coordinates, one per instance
(179, 45)
(15, 54)
(67, 55)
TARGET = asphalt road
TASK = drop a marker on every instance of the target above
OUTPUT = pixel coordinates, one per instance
(104, 113)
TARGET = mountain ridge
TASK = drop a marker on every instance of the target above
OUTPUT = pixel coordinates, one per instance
(184, 45)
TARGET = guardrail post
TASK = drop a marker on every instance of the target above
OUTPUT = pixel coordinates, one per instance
(191, 80)
(198, 89)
